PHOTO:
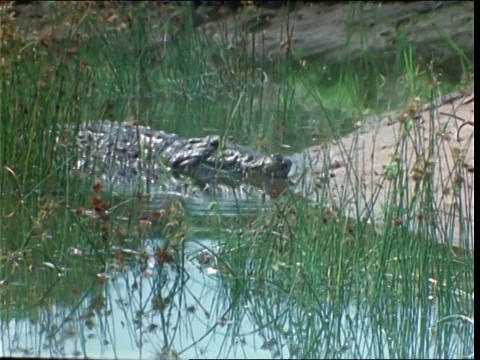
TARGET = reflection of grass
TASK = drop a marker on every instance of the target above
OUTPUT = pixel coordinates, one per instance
(298, 267)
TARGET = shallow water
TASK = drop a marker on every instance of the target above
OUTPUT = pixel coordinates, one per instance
(193, 324)
(188, 307)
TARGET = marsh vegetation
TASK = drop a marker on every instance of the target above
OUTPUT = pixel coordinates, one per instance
(85, 272)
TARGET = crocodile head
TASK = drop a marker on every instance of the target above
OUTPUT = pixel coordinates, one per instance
(205, 160)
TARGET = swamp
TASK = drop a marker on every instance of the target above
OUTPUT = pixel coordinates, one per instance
(342, 263)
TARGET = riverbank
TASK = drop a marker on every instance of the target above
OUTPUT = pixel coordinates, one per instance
(420, 162)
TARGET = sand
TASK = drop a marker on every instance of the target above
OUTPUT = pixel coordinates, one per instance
(408, 150)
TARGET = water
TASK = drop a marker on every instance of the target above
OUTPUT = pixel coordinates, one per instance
(130, 322)
(185, 310)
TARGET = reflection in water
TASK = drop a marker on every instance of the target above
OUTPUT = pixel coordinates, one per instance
(148, 312)
(229, 203)
(184, 309)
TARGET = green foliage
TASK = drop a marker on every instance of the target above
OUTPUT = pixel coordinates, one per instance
(298, 270)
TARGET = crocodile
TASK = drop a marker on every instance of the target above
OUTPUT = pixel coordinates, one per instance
(127, 157)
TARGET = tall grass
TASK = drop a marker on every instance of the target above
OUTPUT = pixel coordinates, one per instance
(314, 282)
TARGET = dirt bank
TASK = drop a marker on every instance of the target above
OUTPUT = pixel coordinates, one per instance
(333, 31)
(329, 31)
(406, 148)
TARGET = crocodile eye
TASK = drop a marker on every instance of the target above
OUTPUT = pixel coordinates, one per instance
(214, 141)
(193, 140)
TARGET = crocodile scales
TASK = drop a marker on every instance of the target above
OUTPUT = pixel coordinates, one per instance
(128, 157)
